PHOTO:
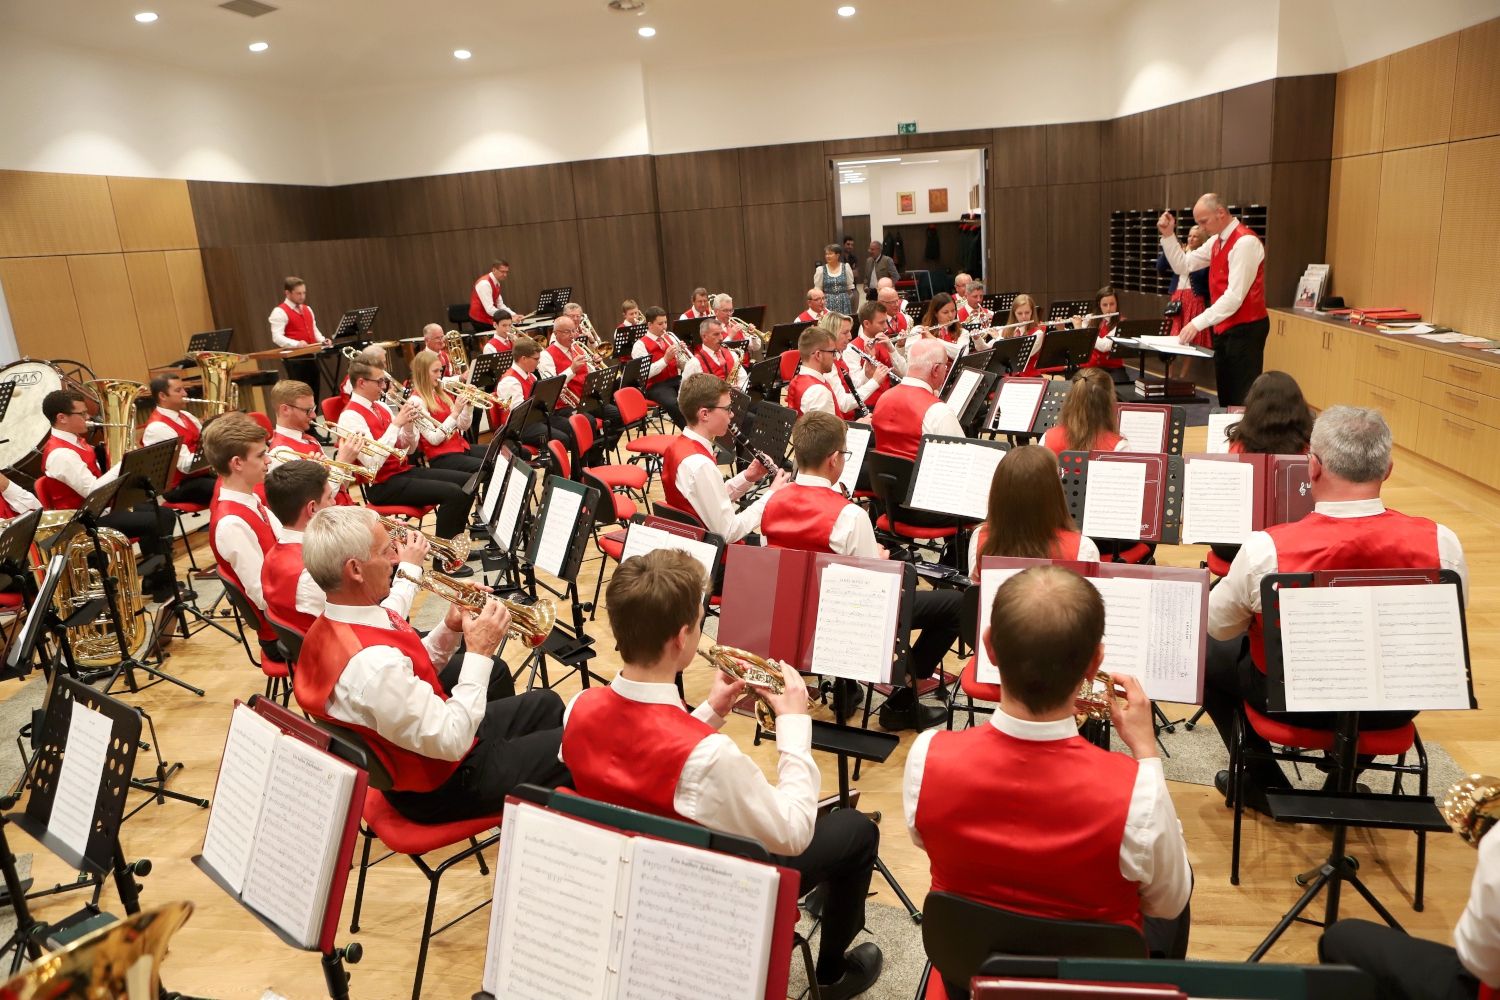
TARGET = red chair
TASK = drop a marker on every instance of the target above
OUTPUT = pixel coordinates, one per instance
(968, 680)
(180, 510)
(414, 514)
(651, 447)
(264, 421)
(1215, 565)
(890, 478)
(49, 492)
(332, 407)
(790, 362)
(615, 477)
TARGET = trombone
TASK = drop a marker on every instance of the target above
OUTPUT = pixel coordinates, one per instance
(531, 623)
(341, 474)
(368, 446)
(453, 552)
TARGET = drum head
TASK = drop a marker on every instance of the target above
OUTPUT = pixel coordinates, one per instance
(24, 428)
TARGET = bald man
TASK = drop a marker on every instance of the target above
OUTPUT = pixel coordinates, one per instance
(898, 322)
(1236, 262)
(817, 306)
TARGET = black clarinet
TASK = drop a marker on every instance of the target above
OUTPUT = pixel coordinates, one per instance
(859, 404)
(743, 440)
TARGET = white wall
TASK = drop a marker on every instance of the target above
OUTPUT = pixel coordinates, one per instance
(854, 199)
(1166, 51)
(886, 179)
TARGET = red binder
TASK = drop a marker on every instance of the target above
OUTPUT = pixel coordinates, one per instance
(1165, 409)
(1283, 490)
(1157, 473)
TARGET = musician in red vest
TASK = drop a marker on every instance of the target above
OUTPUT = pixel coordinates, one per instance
(813, 515)
(566, 355)
(1025, 814)
(171, 419)
(293, 325)
(633, 743)
(817, 306)
(1349, 528)
(713, 358)
(15, 500)
(295, 491)
(1236, 262)
(241, 529)
(514, 388)
(72, 466)
(856, 354)
(501, 339)
(897, 322)
(700, 309)
(734, 332)
(432, 340)
(487, 301)
(668, 355)
(690, 477)
(813, 388)
(972, 308)
(397, 483)
(295, 409)
(1103, 355)
(454, 750)
(912, 407)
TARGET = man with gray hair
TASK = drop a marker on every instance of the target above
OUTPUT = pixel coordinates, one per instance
(432, 340)
(1350, 528)
(912, 407)
(454, 743)
(878, 265)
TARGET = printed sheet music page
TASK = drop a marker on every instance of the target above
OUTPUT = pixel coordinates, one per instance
(1017, 406)
(954, 478)
(856, 442)
(557, 530)
(1144, 429)
(1218, 431)
(1218, 502)
(493, 489)
(1151, 630)
(642, 538)
(510, 509)
(240, 794)
(858, 611)
(963, 390)
(985, 671)
(1115, 499)
(79, 778)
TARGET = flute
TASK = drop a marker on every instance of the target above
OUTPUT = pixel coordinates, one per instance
(1081, 320)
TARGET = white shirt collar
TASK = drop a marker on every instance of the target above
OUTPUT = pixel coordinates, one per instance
(693, 435)
(292, 304)
(291, 536)
(1351, 508)
(285, 431)
(362, 402)
(804, 370)
(178, 417)
(1039, 732)
(913, 380)
(372, 615)
(807, 479)
(1227, 231)
(646, 693)
(248, 499)
(65, 436)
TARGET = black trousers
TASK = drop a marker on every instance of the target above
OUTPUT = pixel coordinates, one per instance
(418, 487)
(467, 462)
(1239, 356)
(936, 613)
(194, 489)
(305, 370)
(842, 853)
(152, 526)
(664, 394)
(1404, 967)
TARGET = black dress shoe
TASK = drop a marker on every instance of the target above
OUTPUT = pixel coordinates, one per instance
(1255, 794)
(461, 572)
(914, 715)
(865, 962)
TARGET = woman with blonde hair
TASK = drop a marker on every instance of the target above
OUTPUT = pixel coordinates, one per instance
(1087, 421)
(444, 446)
(1028, 515)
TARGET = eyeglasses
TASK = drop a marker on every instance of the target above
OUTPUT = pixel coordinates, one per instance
(727, 409)
(309, 410)
(847, 454)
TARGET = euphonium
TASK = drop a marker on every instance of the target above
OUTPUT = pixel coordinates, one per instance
(1472, 806)
(759, 674)
(341, 474)
(95, 644)
(1096, 698)
(117, 414)
(454, 552)
(531, 623)
(219, 391)
(458, 354)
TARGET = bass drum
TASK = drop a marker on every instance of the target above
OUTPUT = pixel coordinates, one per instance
(23, 429)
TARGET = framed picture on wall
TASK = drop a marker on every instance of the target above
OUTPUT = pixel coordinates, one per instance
(937, 200)
(906, 203)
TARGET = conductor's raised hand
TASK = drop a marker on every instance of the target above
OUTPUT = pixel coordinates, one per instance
(1132, 717)
(1166, 224)
(793, 698)
(483, 633)
(725, 692)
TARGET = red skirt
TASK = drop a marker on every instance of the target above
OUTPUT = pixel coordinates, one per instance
(1192, 305)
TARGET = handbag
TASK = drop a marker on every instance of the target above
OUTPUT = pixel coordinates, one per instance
(1174, 308)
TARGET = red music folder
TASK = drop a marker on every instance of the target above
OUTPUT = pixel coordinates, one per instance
(1156, 443)
(1158, 468)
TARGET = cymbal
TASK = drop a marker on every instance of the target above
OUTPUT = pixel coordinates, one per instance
(107, 963)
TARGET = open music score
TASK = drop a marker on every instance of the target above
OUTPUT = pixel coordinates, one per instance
(641, 539)
(1116, 497)
(1145, 429)
(1218, 502)
(559, 519)
(1016, 405)
(517, 491)
(80, 776)
(952, 475)
(964, 384)
(1218, 429)
(857, 439)
(855, 630)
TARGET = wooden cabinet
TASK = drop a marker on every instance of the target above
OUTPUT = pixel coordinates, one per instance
(1475, 375)
(1401, 412)
(1388, 364)
(1459, 443)
(1460, 402)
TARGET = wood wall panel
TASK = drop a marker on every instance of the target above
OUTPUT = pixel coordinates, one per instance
(44, 214)
(152, 214)
(783, 244)
(1406, 234)
(155, 310)
(189, 292)
(1020, 156)
(228, 214)
(1419, 93)
(1073, 153)
(542, 193)
(1353, 209)
(370, 210)
(226, 288)
(1297, 226)
(1242, 185)
(481, 201)
(704, 247)
(686, 181)
(1247, 116)
(1467, 296)
(107, 312)
(771, 175)
(1160, 130)
(622, 185)
(1359, 109)
(428, 204)
(1302, 118)
(960, 139)
(621, 260)
(1476, 83)
(43, 310)
(1120, 147)
(1198, 141)
(1183, 189)
(1074, 223)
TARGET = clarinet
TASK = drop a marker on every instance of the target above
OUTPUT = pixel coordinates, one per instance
(859, 404)
(743, 440)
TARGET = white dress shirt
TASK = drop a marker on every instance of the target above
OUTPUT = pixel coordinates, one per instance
(695, 367)
(157, 431)
(380, 690)
(66, 466)
(699, 480)
(639, 350)
(354, 419)
(491, 299)
(20, 500)
(1087, 551)
(277, 320)
(460, 416)
(820, 397)
(510, 391)
(1245, 258)
(547, 365)
(1477, 936)
(726, 791)
(235, 540)
(310, 597)
(1235, 600)
(856, 363)
(695, 314)
(1153, 853)
(939, 418)
(852, 534)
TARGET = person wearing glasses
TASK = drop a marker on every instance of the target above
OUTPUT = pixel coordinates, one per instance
(397, 483)
(912, 407)
(295, 410)
(809, 390)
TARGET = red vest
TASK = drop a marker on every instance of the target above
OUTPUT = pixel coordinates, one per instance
(306, 446)
(1064, 546)
(806, 316)
(801, 517)
(1056, 440)
(561, 359)
(715, 362)
(264, 533)
(627, 752)
(279, 576)
(1254, 306)
(456, 443)
(1389, 540)
(799, 384)
(657, 349)
(1103, 359)
(681, 447)
(65, 497)
(499, 343)
(1028, 825)
(299, 323)
(898, 419)
(476, 308)
(187, 432)
(378, 417)
(327, 650)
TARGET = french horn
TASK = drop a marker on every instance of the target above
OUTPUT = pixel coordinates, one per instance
(1472, 806)
(1096, 697)
(757, 672)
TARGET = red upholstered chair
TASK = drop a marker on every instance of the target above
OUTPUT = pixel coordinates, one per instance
(650, 447)
(968, 681)
(790, 362)
(560, 457)
(1218, 567)
(413, 514)
(332, 407)
(614, 477)
(263, 420)
(49, 492)
(617, 514)
(890, 477)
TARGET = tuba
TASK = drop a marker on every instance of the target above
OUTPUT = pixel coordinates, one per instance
(95, 644)
(531, 623)
(458, 354)
(117, 398)
(220, 394)
(760, 673)
(1472, 806)
(454, 552)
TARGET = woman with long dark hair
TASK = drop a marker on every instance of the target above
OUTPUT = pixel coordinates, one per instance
(1277, 419)
(1087, 421)
(1028, 515)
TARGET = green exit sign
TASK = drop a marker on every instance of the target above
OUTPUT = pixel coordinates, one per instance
(906, 128)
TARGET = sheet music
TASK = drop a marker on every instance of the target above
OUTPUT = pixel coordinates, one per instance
(954, 478)
(560, 905)
(81, 775)
(963, 390)
(1218, 429)
(1017, 407)
(497, 903)
(1151, 631)
(510, 510)
(1115, 499)
(1171, 345)
(557, 530)
(641, 538)
(493, 489)
(699, 927)
(858, 610)
(856, 442)
(985, 672)
(1218, 502)
(297, 843)
(1421, 647)
(1144, 430)
(239, 794)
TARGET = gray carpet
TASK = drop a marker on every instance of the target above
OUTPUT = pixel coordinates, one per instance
(900, 942)
(8, 915)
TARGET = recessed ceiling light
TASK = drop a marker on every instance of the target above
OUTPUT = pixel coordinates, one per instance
(461, 53)
(259, 46)
(846, 12)
(146, 17)
(645, 32)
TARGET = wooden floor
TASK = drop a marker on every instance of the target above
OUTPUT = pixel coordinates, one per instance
(224, 952)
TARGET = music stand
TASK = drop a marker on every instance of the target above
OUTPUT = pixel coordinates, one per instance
(784, 337)
(763, 375)
(686, 330)
(1009, 356)
(633, 373)
(769, 428)
(354, 326)
(1064, 308)
(625, 338)
(754, 315)
(518, 420)
(1066, 349)
(552, 300)
(999, 302)
(567, 643)
(488, 369)
(15, 544)
(599, 386)
(211, 340)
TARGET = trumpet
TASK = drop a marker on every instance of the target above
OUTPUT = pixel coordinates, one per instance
(531, 623)
(395, 397)
(454, 552)
(1472, 806)
(471, 394)
(757, 672)
(745, 329)
(368, 446)
(341, 474)
(1096, 698)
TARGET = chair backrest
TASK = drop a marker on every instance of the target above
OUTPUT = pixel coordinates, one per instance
(959, 934)
(604, 512)
(332, 407)
(380, 778)
(48, 491)
(673, 514)
(631, 403)
(458, 313)
(560, 456)
(790, 362)
(968, 616)
(583, 433)
(290, 639)
(263, 420)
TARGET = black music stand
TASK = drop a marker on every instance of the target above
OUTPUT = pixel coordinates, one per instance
(552, 300)
(599, 386)
(1051, 409)
(754, 315)
(686, 330)
(519, 419)
(212, 340)
(1075, 477)
(634, 373)
(625, 338)
(784, 337)
(762, 378)
(769, 428)
(999, 303)
(1008, 357)
(546, 392)
(488, 368)
(15, 544)
(7, 391)
(354, 327)
(1064, 308)
(1067, 348)
(568, 644)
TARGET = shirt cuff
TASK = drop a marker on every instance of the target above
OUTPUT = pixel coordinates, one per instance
(794, 734)
(476, 669)
(705, 714)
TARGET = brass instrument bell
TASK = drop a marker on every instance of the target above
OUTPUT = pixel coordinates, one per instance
(341, 474)
(117, 413)
(759, 674)
(220, 394)
(458, 354)
(454, 552)
(1472, 806)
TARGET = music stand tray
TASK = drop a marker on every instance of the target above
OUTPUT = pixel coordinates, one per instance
(546, 392)
(211, 340)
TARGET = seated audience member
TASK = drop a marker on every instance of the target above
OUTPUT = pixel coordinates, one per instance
(240, 528)
(442, 441)
(515, 388)
(1028, 516)
(1024, 814)
(811, 514)
(454, 754)
(817, 306)
(1087, 421)
(912, 407)
(502, 339)
(171, 418)
(1349, 528)
(664, 377)
(690, 478)
(634, 744)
